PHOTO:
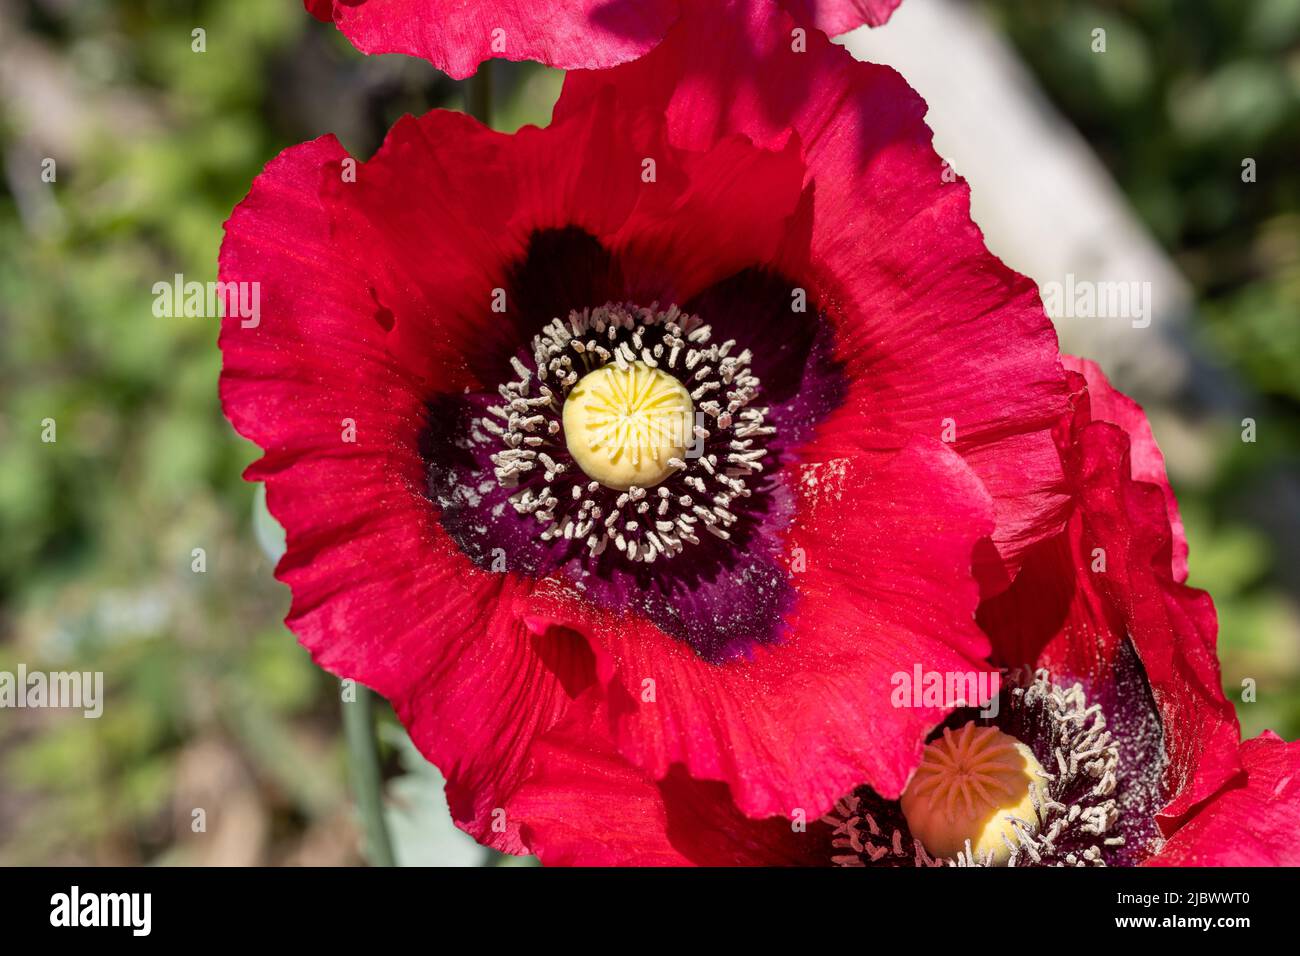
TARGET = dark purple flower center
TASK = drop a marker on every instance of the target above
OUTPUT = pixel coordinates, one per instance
(701, 552)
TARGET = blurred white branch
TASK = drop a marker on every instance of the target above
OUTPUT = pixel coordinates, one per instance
(1046, 204)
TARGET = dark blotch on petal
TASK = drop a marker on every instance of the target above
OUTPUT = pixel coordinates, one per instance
(1132, 716)
(802, 382)
(564, 269)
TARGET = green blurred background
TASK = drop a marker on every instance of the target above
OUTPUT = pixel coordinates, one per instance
(211, 703)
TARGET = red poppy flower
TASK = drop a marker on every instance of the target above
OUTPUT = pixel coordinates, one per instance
(759, 232)
(1126, 682)
(457, 36)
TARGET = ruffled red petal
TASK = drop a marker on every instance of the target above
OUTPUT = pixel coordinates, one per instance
(1256, 822)
(584, 805)
(1109, 577)
(380, 593)
(1107, 404)
(937, 336)
(885, 584)
(457, 36)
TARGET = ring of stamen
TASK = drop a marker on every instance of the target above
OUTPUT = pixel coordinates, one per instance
(699, 488)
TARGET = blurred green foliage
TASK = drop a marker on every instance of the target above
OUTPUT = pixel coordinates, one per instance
(213, 704)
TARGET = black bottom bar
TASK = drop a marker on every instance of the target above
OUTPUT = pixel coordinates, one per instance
(498, 906)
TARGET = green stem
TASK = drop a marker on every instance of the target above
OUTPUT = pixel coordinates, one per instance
(478, 94)
(367, 779)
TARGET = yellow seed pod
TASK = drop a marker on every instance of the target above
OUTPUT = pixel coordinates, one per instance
(970, 782)
(623, 424)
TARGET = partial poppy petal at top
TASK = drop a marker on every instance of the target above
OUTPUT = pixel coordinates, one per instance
(457, 36)
(834, 17)
(569, 34)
